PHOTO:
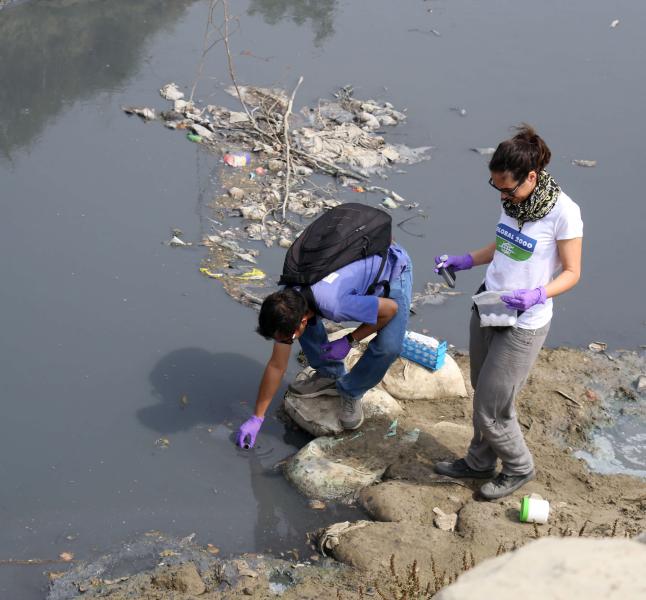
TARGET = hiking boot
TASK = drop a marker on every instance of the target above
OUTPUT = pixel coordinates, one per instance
(351, 413)
(459, 469)
(503, 485)
(316, 385)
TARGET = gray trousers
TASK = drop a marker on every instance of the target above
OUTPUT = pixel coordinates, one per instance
(501, 358)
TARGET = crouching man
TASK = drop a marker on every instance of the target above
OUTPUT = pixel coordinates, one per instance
(348, 293)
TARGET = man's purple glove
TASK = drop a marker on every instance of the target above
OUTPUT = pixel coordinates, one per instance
(525, 299)
(457, 263)
(249, 429)
(336, 350)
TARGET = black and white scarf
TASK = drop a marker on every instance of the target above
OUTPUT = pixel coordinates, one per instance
(540, 202)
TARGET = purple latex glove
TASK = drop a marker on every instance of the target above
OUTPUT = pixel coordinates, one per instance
(524, 299)
(249, 429)
(336, 350)
(458, 263)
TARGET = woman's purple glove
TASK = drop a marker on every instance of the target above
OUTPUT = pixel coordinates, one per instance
(524, 299)
(249, 429)
(336, 350)
(457, 263)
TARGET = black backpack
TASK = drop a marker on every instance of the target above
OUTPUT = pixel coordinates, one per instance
(340, 236)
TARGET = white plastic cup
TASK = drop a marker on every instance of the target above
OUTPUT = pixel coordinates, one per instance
(534, 510)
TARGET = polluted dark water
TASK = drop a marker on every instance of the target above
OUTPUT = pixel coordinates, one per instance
(125, 371)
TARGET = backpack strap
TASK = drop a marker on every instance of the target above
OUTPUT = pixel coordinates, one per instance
(384, 283)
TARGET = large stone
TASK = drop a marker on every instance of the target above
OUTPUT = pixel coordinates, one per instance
(572, 568)
(402, 501)
(180, 578)
(370, 546)
(317, 475)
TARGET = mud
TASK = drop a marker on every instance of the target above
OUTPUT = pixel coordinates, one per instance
(563, 398)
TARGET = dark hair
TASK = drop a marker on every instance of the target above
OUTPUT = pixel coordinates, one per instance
(281, 312)
(525, 152)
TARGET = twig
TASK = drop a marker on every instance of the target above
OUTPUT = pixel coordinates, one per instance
(205, 49)
(288, 168)
(568, 397)
(401, 223)
(230, 62)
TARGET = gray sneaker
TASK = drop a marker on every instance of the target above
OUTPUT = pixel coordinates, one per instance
(351, 413)
(459, 468)
(315, 385)
(503, 485)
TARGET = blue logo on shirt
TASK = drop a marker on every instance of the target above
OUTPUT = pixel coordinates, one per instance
(513, 243)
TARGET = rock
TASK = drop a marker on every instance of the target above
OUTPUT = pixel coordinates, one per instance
(237, 117)
(303, 170)
(402, 501)
(370, 547)
(316, 475)
(386, 120)
(202, 131)
(640, 384)
(275, 165)
(171, 92)
(320, 415)
(443, 521)
(254, 212)
(369, 120)
(236, 193)
(181, 578)
(589, 568)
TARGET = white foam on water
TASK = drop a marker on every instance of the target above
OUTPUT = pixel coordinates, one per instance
(603, 457)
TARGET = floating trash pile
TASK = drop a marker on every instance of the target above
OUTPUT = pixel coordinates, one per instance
(269, 166)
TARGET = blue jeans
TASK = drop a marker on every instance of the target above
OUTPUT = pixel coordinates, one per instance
(380, 354)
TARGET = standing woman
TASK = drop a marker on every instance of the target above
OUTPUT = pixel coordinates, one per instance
(536, 256)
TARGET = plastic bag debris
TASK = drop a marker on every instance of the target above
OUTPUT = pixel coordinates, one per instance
(210, 274)
(598, 346)
(193, 137)
(254, 274)
(443, 521)
(147, 114)
(389, 203)
(171, 92)
(237, 159)
(461, 111)
(392, 429)
(177, 242)
(410, 437)
(485, 151)
(236, 193)
(614, 24)
(584, 163)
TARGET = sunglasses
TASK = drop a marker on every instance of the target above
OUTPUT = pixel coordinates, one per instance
(507, 191)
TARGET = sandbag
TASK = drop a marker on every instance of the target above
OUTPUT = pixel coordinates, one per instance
(319, 477)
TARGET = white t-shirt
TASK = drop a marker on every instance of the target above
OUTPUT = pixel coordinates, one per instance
(528, 258)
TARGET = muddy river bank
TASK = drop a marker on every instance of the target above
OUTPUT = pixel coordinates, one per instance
(126, 369)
